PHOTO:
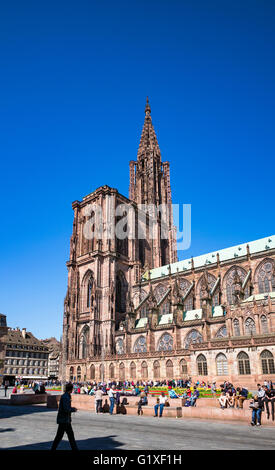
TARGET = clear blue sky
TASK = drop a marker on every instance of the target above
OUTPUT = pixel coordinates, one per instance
(73, 84)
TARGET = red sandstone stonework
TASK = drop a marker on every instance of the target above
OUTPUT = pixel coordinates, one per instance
(106, 298)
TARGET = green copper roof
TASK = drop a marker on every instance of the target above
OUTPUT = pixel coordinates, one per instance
(234, 252)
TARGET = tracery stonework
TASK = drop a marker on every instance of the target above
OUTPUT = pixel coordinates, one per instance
(131, 305)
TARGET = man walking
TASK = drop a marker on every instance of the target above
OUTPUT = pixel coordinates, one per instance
(6, 386)
(64, 419)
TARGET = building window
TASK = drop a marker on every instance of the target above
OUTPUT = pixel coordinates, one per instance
(165, 308)
(243, 363)
(140, 345)
(144, 370)
(156, 367)
(222, 364)
(92, 372)
(222, 332)
(169, 369)
(236, 327)
(112, 371)
(267, 362)
(202, 365)
(121, 371)
(250, 327)
(193, 337)
(264, 325)
(165, 343)
(120, 346)
(183, 367)
(189, 303)
(230, 286)
(133, 370)
(266, 277)
(78, 373)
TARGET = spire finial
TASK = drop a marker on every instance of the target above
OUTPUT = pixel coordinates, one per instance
(147, 107)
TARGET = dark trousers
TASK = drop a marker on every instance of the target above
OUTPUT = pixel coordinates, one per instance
(271, 401)
(98, 405)
(67, 428)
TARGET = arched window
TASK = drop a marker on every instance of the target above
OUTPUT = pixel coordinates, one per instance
(222, 364)
(71, 374)
(78, 374)
(92, 372)
(267, 362)
(144, 370)
(202, 365)
(144, 311)
(169, 369)
(140, 345)
(264, 325)
(121, 371)
(101, 372)
(165, 308)
(230, 283)
(83, 343)
(189, 303)
(121, 292)
(250, 327)
(133, 370)
(266, 277)
(120, 346)
(112, 371)
(156, 367)
(236, 327)
(222, 332)
(89, 292)
(193, 337)
(183, 367)
(165, 343)
(159, 292)
(243, 363)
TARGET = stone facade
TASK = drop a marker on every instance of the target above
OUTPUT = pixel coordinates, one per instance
(26, 357)
(54, 360)
(132, 311)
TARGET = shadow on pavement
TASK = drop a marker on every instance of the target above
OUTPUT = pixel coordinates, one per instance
(97, 443)
(10, 411)
(7, 429)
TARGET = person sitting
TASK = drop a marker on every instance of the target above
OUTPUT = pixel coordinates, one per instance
(256, 406)
(160, 404)
(223, 400)
(230, 398)
(240, 397)
(195, 395)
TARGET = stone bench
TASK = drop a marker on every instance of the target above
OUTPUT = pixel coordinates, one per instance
(168, 411)
(28, 398)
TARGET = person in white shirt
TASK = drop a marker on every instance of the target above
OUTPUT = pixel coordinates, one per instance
(98, 399)
(111, 394)
(160, 404)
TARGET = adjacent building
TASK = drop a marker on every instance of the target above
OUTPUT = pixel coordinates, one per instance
(26, 357)
(133, 311)
(3, 333)
(54, 360)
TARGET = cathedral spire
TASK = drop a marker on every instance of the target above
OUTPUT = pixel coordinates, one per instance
(148, 141)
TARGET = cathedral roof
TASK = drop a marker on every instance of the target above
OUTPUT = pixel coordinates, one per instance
(263, 245)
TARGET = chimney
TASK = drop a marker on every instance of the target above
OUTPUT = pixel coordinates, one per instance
(24, 332)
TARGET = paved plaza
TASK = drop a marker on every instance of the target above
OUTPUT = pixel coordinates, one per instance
(34, 427)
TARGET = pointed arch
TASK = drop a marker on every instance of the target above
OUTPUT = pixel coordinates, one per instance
(243, 363)
(144, 370)
(84, 342)
(169, 369)
(156, 369)
(264, 277)
(250, 326)
(121, 292)
(183, 367)
(221, 364)
(264, 324)
(267, 361)
(133, 370)
(112, 371)
(236, 327)
(228, 283)
(202, 365)
(159, 292)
